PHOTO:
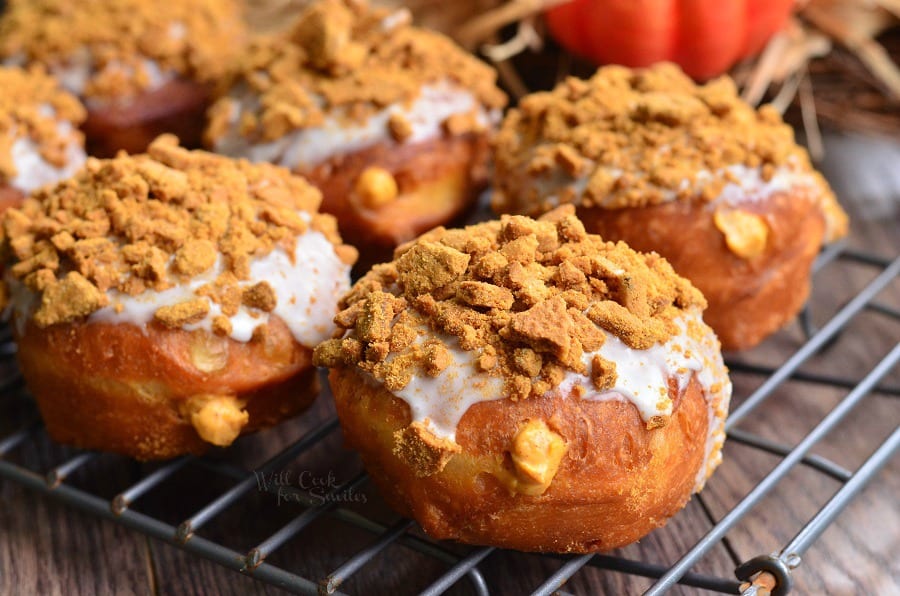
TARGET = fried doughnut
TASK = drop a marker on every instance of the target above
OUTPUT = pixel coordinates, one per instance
(719, 189)
(391, 122)
(525, 385)
(39, 143)
(166, 302)
(142, 68)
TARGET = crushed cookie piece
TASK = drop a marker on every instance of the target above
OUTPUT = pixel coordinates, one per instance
(603, 373)
(425, 453)
(124, 39)
(183, 313)
(260, 295)
(329, 353)
(488, 358)
(545, 326)
(429, 266)
(477, 293)
(221, 325)
(339, 61)
(374, 321)
(68, 300)
(377, 351)
(437, 358)
(194, 257)
(527, 361)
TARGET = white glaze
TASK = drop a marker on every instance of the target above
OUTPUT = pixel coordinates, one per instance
(75, 71)
(307, 292)
(309, 147)
(440, 402)
(747, 185)
(642, 380)
(32, 171)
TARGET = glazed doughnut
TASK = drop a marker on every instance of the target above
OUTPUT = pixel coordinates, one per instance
(525, 385)
(719, 189)
(166, 302)
(40, 142)
(142, 68)
(391, 122)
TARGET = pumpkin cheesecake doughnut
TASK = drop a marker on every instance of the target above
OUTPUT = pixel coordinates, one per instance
(719, 189)
(141, 67)
(390, 121)
(39, 139)
(526, 385)
(170, 301)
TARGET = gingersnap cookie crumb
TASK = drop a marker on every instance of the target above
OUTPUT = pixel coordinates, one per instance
(196, 39)
(151, 221)
(32, 106)
(633, 138)
(347, 59)
(528, 297)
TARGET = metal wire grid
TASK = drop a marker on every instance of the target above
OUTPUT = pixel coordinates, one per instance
(779, 565)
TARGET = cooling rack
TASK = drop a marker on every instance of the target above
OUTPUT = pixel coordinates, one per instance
(70, 480)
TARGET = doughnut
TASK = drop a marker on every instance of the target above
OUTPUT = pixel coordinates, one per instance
(391, 122)
(166, 302)
(523, 384)
(142, 68)
(40, 142)
(719, 189)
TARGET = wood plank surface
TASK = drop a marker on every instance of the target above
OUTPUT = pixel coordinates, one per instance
(49, 548)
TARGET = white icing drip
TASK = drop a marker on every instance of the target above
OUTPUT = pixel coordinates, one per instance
(440, 402)
(32, 171)
(310, 146)
(307, 292)
(76, 70)
(748, 184)
(642, 379)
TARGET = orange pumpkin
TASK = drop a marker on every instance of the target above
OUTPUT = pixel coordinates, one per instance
(705, 37)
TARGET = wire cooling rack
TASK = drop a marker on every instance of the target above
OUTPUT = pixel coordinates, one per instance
(768, 571)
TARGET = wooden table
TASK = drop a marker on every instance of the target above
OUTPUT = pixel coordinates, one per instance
(49, 548)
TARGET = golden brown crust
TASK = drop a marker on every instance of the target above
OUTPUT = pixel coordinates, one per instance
(617, 481)
(749, 298)
(437, 181)
(178, 107)
(120, 388)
